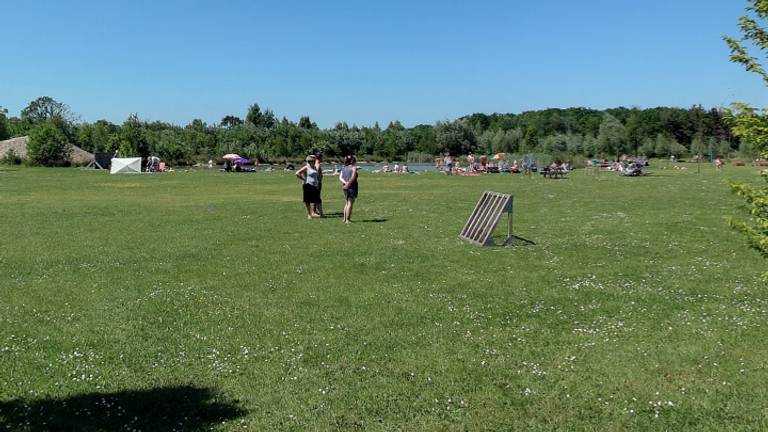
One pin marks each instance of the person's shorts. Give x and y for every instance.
(350, 194)
(311, 194)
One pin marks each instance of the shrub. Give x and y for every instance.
(48, 145)
(11, 158)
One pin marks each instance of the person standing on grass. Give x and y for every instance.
(448, 163)
(348, 178)
(309, 177)
(718, 164)
(319, 168)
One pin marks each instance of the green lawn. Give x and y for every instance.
(200, 300)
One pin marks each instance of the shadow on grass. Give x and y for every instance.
(513, 241)
(339, 214)
(374, 220)
(181, 408)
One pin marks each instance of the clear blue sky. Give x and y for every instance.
(416, 61)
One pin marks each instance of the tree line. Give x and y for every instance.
(261, 135)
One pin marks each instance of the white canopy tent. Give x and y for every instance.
(125, 166)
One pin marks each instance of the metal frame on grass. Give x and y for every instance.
(484, 218)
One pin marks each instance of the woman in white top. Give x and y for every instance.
(310, 184)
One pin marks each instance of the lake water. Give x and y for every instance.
(414, 167)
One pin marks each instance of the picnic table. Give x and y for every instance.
(554, 173)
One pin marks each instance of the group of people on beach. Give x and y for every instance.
(397, 169)
(311, 176)
(478, 165)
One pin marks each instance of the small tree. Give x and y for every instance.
(698, 146)
(10, 158)
(752, 125)
(48, 145)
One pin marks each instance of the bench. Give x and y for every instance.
(546, 172)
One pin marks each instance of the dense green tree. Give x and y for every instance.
(17, 127)
(611, 138)
(589, 145)
(231, 121)
(424, 139)
(200, 139)
(634, 132)
(101, 136)
(699, 148)
(556, 145)
(46, 108)
(648, 147)
(4, 127)
(168, 144)
(570, 131)
(257, 118)
(371, 141)
(133, 139)
(254, 116)
(341, 126)
(665, 146)
(269, 120)
(306, 123)
(752, 125)
(343, 142)
(456, 137)
(396, 141)
(662, 146)
(500, 141)
(48, 145)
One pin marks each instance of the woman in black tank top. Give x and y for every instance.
(348, 179)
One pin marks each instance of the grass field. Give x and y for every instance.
(199, 300)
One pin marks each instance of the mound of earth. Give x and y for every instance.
(19, 147)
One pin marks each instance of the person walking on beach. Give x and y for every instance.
(348, 179)
(308, 175)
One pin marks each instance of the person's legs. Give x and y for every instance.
(309, 199)
(319, 203)
(313, 198)
(313, 206)
(317, 207)
(348, 210)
